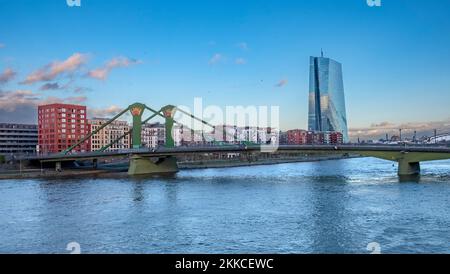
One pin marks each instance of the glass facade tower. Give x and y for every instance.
(326, 97)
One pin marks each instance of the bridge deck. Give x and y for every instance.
(178, 151)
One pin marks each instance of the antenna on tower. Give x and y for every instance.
(321, 52)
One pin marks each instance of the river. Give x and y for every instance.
(335, 206)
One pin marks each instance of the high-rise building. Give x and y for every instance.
(108, 134)
(18, 139)
(61, 126)
(326, 97)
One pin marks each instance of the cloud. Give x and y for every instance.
(217, 58)
(81, 89)
(75, 100)
(7, 75)
(10, 100)
(379, 130)
(242, 45)
(50, 86)
(51, 71)
(2, 45)
(383, 125)
(69, 86)
(20, 106)
(105, 112)
(117, 62)
(240, 61)
(282, 83)
(69, 100)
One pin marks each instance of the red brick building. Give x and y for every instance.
(303, 137)
(296, 137)
(315, 138)
(334, 138)
(60, 126)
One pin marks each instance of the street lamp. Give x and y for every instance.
(435, 136)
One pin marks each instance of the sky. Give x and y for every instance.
(110, 54)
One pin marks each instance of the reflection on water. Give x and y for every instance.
(320, 207)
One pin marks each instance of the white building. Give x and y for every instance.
(183, 135)
(439, 138)
(153, 135)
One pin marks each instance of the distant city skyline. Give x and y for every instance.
(109, 54)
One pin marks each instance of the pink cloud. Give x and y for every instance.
(217, 58)
(117, 62)
(9, 100)
(282, 83)
(240, 61)
(12, 100)
(57, 68)
(7, 75)
(105, 112)
(379, 130)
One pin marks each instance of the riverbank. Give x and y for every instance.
(7, 172)
(269, 161)
(49, 174)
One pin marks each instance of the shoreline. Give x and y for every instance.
(261, 162)
(183, 165)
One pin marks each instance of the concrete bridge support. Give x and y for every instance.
(145, 166)
(408, 162)
(58, 166)
(406, 168)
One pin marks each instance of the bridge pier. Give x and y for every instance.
(58, 166)
(406, 168)
(145, 166)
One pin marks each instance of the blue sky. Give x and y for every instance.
(396, 57)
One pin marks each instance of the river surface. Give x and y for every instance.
(318, 207)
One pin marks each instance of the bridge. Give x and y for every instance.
(163, 159)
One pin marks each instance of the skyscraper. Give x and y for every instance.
(326, 97)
